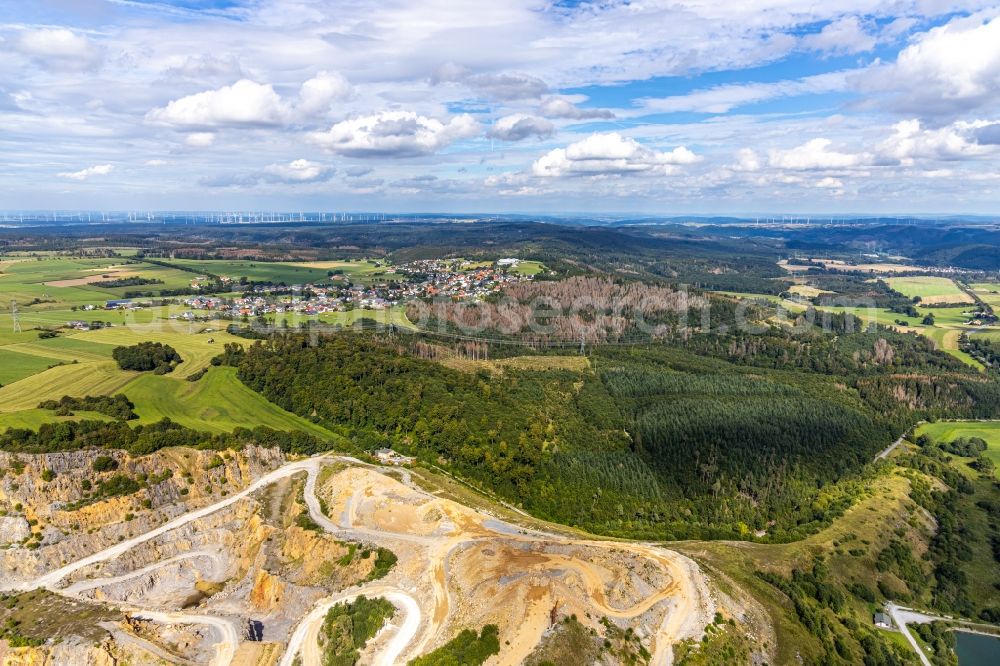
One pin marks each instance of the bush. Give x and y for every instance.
(104, 464)
(862, 591)
(117, 406)
(147, 356)
(384, 562)
(349, 626)
(466, 649)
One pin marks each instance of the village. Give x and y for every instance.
(456, 279)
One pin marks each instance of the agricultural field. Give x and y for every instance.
(83, 364)
(15, 365)
(876, 268)
(364, 270)
(931, 290)
(806, 291)
(990, 334)
(30, 318)
(947, 431)
(289, 273)
(218, 402)
(949, 323)
(197, 349)
(60, 283)
(76, 379)
(989, 292)
(78, 363)
(64, 348)
(395, 315)
(30, 419)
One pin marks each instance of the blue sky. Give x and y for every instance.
(654, 106)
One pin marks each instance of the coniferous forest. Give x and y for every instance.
(713, 436)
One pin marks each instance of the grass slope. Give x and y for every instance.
(195, 349)
(77, 379)
(218, 402)
(865, 528)
(15, 365)
(30, 419)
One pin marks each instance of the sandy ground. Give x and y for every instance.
(473, 569)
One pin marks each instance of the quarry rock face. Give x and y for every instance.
(13, 529)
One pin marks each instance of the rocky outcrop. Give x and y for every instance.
(72, 523)
(68, 654)
(13, 529)
(267, 591)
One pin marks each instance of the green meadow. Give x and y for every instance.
(15, 365)
(946, 431)
(287, 272)
(218, 402)
(928, 287)
(58, 283)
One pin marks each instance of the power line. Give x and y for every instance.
(15, 316)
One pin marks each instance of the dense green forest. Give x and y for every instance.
(143, 439)
(770, 434)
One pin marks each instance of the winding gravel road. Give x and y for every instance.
(304, 639)
(229, 636)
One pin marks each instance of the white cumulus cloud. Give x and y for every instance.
(394, 134)
(320, 92)
(199, 139)
(84, 174)
(243, 103)
(297, 171)
(610, 153)
(910, 141)
(815, 154)
(507, 87)
(59, 49)
(949, 70)
(518, 126)
(561, 107)
(746, 160)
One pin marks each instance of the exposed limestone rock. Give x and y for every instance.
(13, 529)
(267, 591)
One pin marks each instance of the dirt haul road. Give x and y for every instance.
(684, 600)
(305, 639)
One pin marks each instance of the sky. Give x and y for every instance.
(613, 106)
